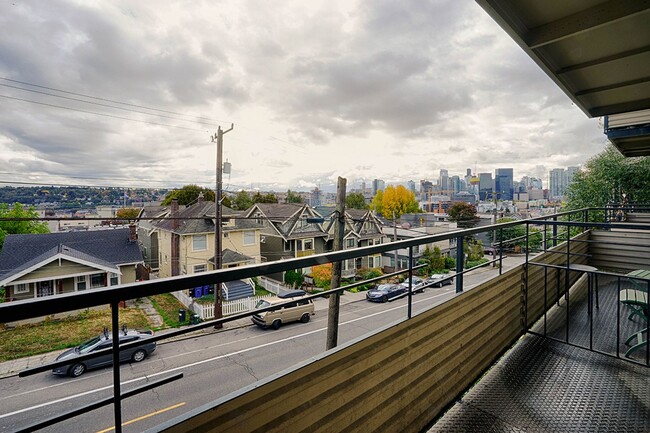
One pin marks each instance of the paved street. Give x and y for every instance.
(213, 364)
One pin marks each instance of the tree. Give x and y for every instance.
(606, 177)
(433, 259)
(242, 200)
(463, 213)
(294, 278)
(187, 195)
(395, 201)
(355, 200)
(266, 198)
(322, 275)
(292, 197)
(519, 232)
(130, 213)
(12, 221)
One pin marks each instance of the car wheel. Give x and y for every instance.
(305, 318)
(138, 355)
(276, 324)
(384, 298)
(77, 370)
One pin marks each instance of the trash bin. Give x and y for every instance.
(181, 315)
(195, 319)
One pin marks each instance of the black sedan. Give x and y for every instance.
(105, 341)
(386, 292)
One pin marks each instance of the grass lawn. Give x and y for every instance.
(54, 334)
(167, 306)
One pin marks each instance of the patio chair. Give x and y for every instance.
(640, 342)
(636, 298)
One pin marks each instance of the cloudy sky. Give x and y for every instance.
(129, 93)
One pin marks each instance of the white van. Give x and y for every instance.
(300, 310)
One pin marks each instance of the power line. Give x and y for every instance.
(101, 114)
(106, 105)
(104, 99)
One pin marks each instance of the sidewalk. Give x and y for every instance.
(13, 367)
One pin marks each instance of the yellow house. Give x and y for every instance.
(186, 239)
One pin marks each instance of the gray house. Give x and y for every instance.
(37, 265)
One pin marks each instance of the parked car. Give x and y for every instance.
(386, 292)
(417, 284)
(105, 341)
(300, 310)
(439, 280)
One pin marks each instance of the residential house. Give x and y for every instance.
(362, 229)
(37, 265)
(186, 241)
(290, 230)
(148, 235)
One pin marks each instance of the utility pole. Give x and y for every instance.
(339, 233)
(218, 302)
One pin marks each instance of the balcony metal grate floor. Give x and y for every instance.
(546, 386)
(543, 385)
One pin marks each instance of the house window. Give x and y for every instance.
(287, 245)
(199, 242)
(307, 244)
(351, 243)
(21, 288)
(114, 279)
(200, 268)
(249, 237)
(81, 283)
(96, 280)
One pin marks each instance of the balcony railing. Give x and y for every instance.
(415, 367)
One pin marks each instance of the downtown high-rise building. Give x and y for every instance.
(485, 186)
(378, 185)
(558, 181)
(503, 183)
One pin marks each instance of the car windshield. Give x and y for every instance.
(384, 287)
(262, 304)
(85, 346)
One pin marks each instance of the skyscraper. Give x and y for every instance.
(485, 186)
(410, 185)
(503, 185)
(378, 185)
(443, 182)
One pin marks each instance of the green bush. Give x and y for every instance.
(294, 278)
(474, 263)
(450, 262)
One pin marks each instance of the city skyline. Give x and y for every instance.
(129, 94)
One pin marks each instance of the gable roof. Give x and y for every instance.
(283, 219)
(104, 249)
(199, 218)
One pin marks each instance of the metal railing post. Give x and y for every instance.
(500, 251)
(117, 402)
(460, 262)
(410, 296)
(554, 232)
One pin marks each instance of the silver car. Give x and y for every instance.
(101, 342)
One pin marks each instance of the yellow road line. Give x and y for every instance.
(145, 416)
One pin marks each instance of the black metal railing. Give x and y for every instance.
(15, 311)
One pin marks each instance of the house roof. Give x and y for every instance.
(104, 249)
(230, 256)
(199, 218)
(286, 220)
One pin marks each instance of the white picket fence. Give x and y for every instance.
(206, 311)
(272, 286)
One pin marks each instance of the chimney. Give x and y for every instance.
(201, 198)
(174, 214)
(133, 234)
